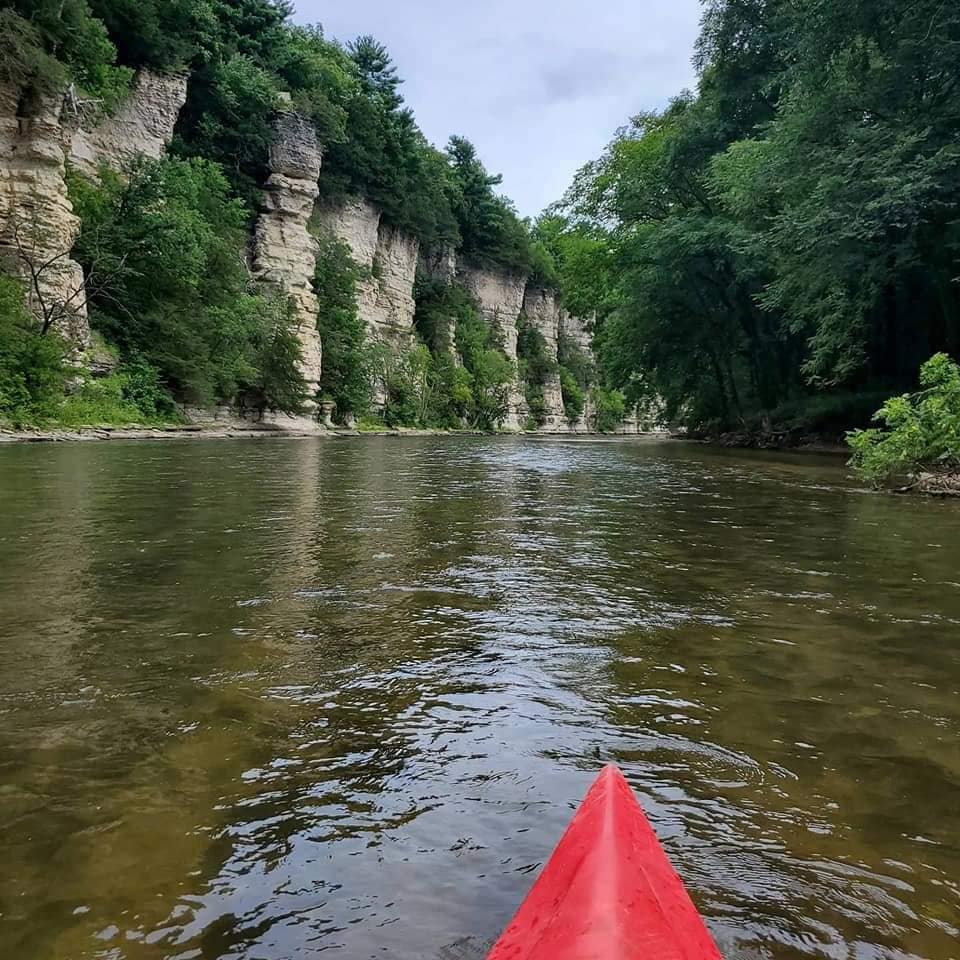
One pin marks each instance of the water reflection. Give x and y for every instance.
(272, 698)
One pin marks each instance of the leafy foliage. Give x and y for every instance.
(919, 430)
(574, 397)
(165, 251)
(609, 409)
(345, 378)
(788, 236)
(476, 391)
(489, 370)
(491, 232)
(126, 397)
(46, 42)
(535, 368)
(31, 366)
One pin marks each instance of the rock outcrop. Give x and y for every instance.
(37, 224)
(543, 313)
(499, 295)
(388, 258)
(576, 332)
(284, 253)
(439, 263)
(141, 126)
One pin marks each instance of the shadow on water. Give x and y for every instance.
(264, 699)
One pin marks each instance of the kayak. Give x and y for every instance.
(608, 892)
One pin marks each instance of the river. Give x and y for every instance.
(263, 699)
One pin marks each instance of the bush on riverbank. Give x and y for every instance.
(31, 365)
(920, 432)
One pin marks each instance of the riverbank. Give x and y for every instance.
(235, 431)
(934, 483)
(785, 441)
(196, 432)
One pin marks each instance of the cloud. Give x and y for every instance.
(539, 86)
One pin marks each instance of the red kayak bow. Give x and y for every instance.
(608, 892)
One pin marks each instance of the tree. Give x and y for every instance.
(31, 366)
(179, 295)
(54, 293)
(490, 230)
(919, 431)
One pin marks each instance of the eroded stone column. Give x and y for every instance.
(284, 252)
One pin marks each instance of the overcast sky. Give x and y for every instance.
(539, 86)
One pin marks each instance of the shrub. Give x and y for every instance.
(490, 371)
(574, 399)
(345, 376)
(101, 402)
(919, 430)
(31, 366)
(535, 368)
(164, 258)
(609, 409)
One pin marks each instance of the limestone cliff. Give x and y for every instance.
(141, 126)
(543, 312)
(389, 259)
(37, 224)
(576, 331)
(284, 253)
(499, 295)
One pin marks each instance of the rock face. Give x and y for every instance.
(37, 224)
(142, 125)
(576, 332)
(543, 313)
(500, 295)
(389, 259)
(284, 252)
(439, 263)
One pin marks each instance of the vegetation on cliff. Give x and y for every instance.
(771, 252)
(162, 243)
(162, 248)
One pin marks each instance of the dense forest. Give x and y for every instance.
(780, 250)
(162, 246)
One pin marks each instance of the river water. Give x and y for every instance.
(264, 699)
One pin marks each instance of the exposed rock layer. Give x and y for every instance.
(543, 313)
(388, 258)
(284, 252)
(141, 126)
(37, 224)
(499, 295)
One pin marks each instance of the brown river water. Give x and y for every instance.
(267, 699)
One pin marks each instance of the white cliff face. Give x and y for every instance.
(389, 259)
(575, 331)
(499, 295)
(142, 125)
(387, 299)
(284, 252)
(37, 224)
(439, 263)
(543, 313)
